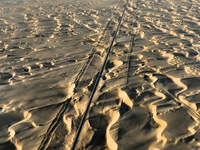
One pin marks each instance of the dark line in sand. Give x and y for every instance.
(176, 99)
(129, 57)
(96, 84)
(47, 138)
(87, 62)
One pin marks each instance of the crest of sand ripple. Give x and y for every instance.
(113, 117)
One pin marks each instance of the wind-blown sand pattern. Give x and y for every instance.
(52, 51)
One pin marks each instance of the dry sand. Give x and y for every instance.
(52, 50)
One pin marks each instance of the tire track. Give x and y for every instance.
(179, 101)
(129, 57)
(47, 138)
(89, 59)
(97, 82)
(160, 91)
(163, 92)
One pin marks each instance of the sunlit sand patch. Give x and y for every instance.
(160, 137)
(113, 116)
(123, 95)
(192, 70)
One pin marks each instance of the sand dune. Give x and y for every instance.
(51, 53)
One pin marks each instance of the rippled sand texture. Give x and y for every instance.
(44, 48)
(50, 55)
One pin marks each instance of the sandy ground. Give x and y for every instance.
(51, 53)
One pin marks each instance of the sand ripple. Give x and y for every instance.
(50, 56)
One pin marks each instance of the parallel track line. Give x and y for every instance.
(96, 83)
(47, 138)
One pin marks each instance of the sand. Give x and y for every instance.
(52, 51)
